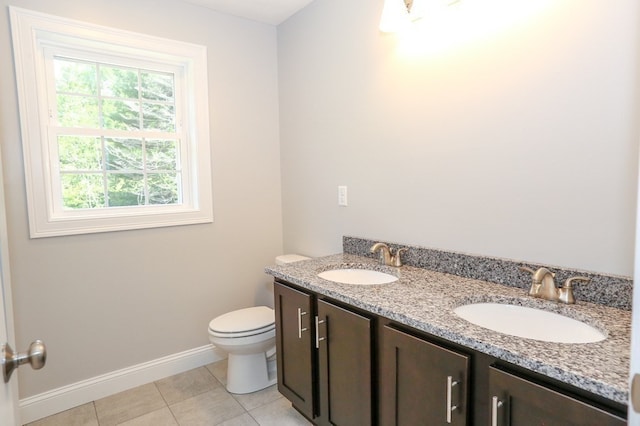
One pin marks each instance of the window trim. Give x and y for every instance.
(33, 35)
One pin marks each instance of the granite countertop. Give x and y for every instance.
(425, 300)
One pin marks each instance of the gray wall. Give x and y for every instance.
(510, 130)
(108, 301)
(517, 139)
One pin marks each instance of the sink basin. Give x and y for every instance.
(531, 323)
(357, 276)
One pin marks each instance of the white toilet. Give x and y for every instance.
(249, 338)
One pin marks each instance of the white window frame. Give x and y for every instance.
(35, 37)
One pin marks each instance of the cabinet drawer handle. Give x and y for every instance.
(450, 384)
(318, 338)
(300, 329)
(495, 404)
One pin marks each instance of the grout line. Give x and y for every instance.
(95, 412)
(167, 405)
(161, 395)
(254, 419)
(174, 416)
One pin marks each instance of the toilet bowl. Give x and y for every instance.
(249, 338)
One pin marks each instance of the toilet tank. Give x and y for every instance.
(289, 258)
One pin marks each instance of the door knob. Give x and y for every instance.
(635, 393)
(36, 356)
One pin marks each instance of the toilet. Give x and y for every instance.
(249, 338)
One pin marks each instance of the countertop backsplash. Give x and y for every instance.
(608, 290)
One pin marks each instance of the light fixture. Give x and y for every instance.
(395, 15)
(399, 14)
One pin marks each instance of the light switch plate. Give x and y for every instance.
(342, 196)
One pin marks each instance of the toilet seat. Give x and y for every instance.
(234, 335)
(243, 323)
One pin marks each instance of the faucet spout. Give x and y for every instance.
(385, 253)
(547, 289)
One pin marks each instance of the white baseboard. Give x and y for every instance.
(66, 397)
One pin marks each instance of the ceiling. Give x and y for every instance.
(268, 11)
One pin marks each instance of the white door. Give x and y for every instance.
(634, 408)
(8, 391)
(634, 376)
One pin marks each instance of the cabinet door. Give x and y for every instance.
(519, 402)
(294, 347)
(344, 353)
(421, 383)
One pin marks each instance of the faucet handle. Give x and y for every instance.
(539, 272)
(396, 259)
(566, 292)
(526, 269)
(569, 282)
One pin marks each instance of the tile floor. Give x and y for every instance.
(194, 398)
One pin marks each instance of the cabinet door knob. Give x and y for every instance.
(450, 407)
(300, 329)
(495, 404)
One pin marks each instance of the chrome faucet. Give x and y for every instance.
(386, 256)
(543, 286)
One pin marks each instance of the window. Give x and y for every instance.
(114, 125)
(131, 154)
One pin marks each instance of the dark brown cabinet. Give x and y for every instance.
(516, 401)
(344, 355)
(324, 358)
(341, 366)
(294, 347)
(421, 383)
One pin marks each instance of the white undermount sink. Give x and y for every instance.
(530, 323)
(357, 276)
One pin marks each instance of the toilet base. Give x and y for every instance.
(248, 373)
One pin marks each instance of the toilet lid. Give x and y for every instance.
(243, 320)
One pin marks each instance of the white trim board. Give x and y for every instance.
(66, 397)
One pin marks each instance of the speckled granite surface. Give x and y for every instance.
(610, 290)
(425, 299)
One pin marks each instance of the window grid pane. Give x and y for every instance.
(99, 172)
(103, 171)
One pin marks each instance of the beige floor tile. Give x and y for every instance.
(161, 417)
(83, 415)
(219, 370)
(145, 405)
(278, 413)
(129, 404)
(210, 408)
(256, 399)
(186, 385)
(243, 420)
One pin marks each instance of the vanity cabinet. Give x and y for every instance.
(421, 383)
(516, 401)
(341, 366)
(324, 358)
